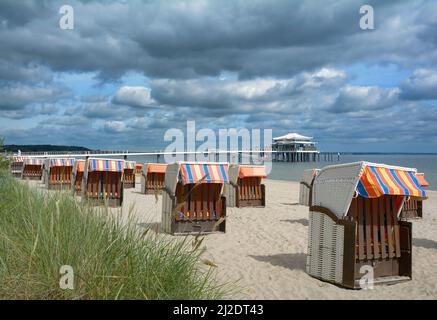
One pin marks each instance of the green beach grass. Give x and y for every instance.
(41, 231)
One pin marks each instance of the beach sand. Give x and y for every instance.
(263, 252)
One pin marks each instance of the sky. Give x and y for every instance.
(130, 70)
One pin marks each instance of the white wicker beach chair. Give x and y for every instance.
(354, 222)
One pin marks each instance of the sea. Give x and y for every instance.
(426, 163)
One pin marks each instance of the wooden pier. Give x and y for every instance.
(302, 156)
(234, 156)
(294, 147)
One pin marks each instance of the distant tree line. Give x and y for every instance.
(41, 148)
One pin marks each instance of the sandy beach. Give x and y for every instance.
(263, 252)
(264, 249)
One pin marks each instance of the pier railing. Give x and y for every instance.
(265, 154)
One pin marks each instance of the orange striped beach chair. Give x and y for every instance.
(17, 164)
(58, 173)
(245, 188)
(138, 168)
(193, 201)
(32, 169)
(355, 227)
(153, 178)
(102, 181)
(77, 176)
(129, 174)
(413, 207)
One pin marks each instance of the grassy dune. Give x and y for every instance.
(41, 231)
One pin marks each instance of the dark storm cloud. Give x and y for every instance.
(9, 71)
(16, 97)
(18, 13)
(353, 99)
(421, 85)
(102, 110)
(224, 96)
(14, 114)
(197, 38)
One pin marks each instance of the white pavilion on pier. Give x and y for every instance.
(294, 147)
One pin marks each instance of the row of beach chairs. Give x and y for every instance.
(98, 180)
(195, 195)
(105, 179)
(357, 211)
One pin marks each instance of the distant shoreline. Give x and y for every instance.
(42, 148)
(388, 153)
(60, 148)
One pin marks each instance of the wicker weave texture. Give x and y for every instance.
(325, 248)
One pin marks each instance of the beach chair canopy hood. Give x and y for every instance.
(68, 162)
(245, 171)
(335, 186)
(130, 165)
(309, 175)
(203, 172)
(155, 168)
(421, 179)
(17, 164)
(376, 181)
(105, 165)
(252, 171)
(80, 166)
(34, 161)
(192, 173)
(18, 159)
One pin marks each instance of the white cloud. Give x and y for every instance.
(322, 77)
(114, 126)
(356, 98)
(138, 97)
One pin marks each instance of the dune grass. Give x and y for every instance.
(41, 231)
